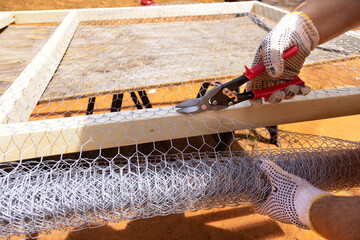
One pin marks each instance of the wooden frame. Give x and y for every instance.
(268, 11)
(353, 34)
(20, 139)
(48, 16)
(84, 133)
(6, 19)
(26, 90)
(44, 16)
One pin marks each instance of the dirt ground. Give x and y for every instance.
(19, 5)
(225, 223)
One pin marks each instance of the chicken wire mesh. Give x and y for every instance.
(28, 45)
(121, 157)
(154, 62)
(40, 196)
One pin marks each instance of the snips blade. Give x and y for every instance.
(190, 106)
(197, 105)
(189, 103)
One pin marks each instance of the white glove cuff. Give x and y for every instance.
(304, 200)
(308, 27)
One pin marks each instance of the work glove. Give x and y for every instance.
(293, 29)
(291, 197)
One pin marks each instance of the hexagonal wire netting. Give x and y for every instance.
(104, 143)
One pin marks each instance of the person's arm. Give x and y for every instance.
(336, 217)
(312, 23)
(294, 200)
(332, 17)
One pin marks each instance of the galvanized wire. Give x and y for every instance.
(40, 196)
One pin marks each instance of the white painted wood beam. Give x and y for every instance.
(45, 16)
(84, 133)
(353, 34)
(268, 11)
(41, 16)
(19, 100)
(6, 19)
(165, 11)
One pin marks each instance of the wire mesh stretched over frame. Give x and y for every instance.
(125, 61)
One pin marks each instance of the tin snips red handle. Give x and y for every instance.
(251, 73)
(266, 92)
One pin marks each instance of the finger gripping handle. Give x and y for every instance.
(250, 73)
(266, 92)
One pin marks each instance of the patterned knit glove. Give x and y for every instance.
(291, 197)
(293, 29)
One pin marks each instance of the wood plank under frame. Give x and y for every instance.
(19, 100)
(19, 45)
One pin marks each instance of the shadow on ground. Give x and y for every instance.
(228, 223)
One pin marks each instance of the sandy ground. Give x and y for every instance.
(226, 223)
(17, 5)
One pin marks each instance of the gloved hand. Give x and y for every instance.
(293, 29)
(291, 197)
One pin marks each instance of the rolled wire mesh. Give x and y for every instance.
(40, 196)
(71, 176)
